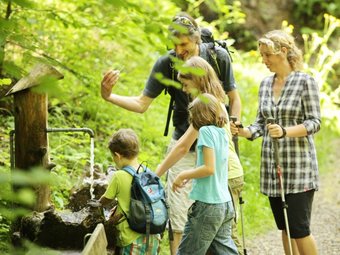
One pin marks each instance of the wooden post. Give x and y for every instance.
(31, 142)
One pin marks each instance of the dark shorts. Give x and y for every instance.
(299, 213)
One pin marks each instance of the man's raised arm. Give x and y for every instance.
(137, 104)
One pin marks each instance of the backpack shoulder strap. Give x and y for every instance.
(213, 56)
(172, 95)
(172, 53)
(130, 170)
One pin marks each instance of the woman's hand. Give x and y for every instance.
(275, 130)
(109, 80)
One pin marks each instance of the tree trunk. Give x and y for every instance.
(31, 143)
(3, 38)
(266, 15)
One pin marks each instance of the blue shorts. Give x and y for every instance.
(208, 228)
(299, 213)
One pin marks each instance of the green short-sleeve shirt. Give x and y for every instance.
(120, 188)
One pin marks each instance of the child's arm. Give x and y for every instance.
(178, 151)
(207, 169)
(105, 201)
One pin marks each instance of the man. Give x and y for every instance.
(187, 41)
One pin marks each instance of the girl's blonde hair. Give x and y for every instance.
(206, 83)
(206, 110)
(277, 39)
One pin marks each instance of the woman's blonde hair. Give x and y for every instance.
(206, 110)
(277, 39)
(206, 83)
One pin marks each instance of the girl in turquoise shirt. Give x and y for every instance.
(210, 217)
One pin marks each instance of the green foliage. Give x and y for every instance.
(29, 248)
(321, 63)
(85, 38)
(305, 9)
(227, 14)
(17, 202)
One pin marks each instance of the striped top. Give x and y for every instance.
(298, 104)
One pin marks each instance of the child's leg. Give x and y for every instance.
(204, 221)
(223, 243)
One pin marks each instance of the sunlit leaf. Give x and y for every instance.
(116, 3)
(167, 81)
(25, 196)
(33, 177)
(50, 86)
(24, 3)
(13, 213)
(5, 81)
(192, 70)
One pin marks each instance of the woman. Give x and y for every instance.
(195, 85)
(291, 97)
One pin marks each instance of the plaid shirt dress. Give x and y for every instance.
(298, 104)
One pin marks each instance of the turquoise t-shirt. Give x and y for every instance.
(212, 189)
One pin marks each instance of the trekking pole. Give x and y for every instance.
(240, 200)
(278, 167)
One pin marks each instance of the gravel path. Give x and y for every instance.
(325, 218)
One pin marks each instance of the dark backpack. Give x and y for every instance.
(208, 38)
(148, 208)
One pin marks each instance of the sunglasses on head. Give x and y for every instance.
(184, 21)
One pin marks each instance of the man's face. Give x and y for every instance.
(185, 47)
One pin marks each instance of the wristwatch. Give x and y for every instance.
(284, 132)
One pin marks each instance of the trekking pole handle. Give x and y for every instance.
(271, 120)
(233, 118)
(235, 137)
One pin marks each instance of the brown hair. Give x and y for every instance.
(125, 142)
(277, 39)
(206, 83)
(206, 110)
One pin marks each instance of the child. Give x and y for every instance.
(210, 217)
(124, 147)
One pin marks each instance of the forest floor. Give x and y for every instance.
(325, 225)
